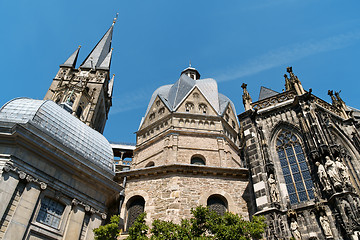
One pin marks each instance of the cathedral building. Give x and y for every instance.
(290, 156)
(303, 157)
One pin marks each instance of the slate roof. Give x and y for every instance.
(100, 52)
(71, 61)
(266, 92)
(57, 123)
(173, 95)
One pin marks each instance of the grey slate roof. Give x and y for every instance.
(57, 123)
(100, 51)
(266, 92)
(173, 95)
(71, 61)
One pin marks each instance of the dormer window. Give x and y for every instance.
(202, 108)
(189, 106)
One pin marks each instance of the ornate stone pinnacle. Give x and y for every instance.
(289, 69)
(244, 85)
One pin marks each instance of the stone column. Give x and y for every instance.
(22, 215)
(95, 222)
(8, 183)
(73, 229)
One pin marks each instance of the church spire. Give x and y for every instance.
(71, 61)
(100, 51)
(105, 65)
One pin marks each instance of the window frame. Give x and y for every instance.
(294, 167)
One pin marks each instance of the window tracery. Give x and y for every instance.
(189, 106)
(202, 107)
(135, 208)
(294, 167)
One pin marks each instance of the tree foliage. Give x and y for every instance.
(109, 231)
(204, 225)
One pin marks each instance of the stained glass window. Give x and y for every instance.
(50, 212)
(294, 167)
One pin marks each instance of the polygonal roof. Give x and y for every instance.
(51, 119)
(173, 95)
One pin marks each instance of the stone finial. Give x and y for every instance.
(246, 97)
(294, 82)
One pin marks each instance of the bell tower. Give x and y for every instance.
(86, 92)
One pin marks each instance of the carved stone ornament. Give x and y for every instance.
(325, 225)
(88, 208)
(343, 171)
(23, 175)
(324, 179)
(333, 172)
(294, 228)
(274, 192)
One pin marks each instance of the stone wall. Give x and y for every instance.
(170, 197)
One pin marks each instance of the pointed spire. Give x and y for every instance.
(105, 65)
(71, 61)
(101, 50)
(111, 86)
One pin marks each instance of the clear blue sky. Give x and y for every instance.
(231, 41)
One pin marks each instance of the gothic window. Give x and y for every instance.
(161, 111)
(157, 103)
(294, 167)
(50, 212)
(202, 107)
(226, 117)
(217, 204)
(79, 111)
(152, 116)
(197, 160)
(135, 208)
(189, 106)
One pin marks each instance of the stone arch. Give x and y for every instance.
(131, 194)
(217, 203)
(231, 204)
(198, 159)
(291, 159)
(134, 207)
(150, 164)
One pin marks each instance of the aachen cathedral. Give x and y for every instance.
(291, 157)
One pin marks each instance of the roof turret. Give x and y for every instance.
(71, 61)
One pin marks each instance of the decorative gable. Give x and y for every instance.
(157, 111)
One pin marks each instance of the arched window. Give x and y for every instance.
(135, 207)
(79, 111)
(218, 204)
(294, 167)
(196, 160)
(150, 164)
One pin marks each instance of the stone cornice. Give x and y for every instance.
(184, 169)
(24, 176)
(88, 208)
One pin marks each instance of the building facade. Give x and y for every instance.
(303, 157)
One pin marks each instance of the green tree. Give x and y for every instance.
(204, 225)
(109, 231)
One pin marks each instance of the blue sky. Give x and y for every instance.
(230, 41)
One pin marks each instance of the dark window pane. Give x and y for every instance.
(293, 198)
(290, 188)
(283, 162)
(50, 212)
(297, 177)
(293, 138)
(306, 175)
(294, 168)
(311, 194)
(309, 184)
(303, 166)
(281, 153)
(288, 179)
(286, 170)
(292, 160)
(302, 196)
(300, 186)
(217, 205)
(278, 143)
(300, 157)
(289, 151)
(298, 148)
